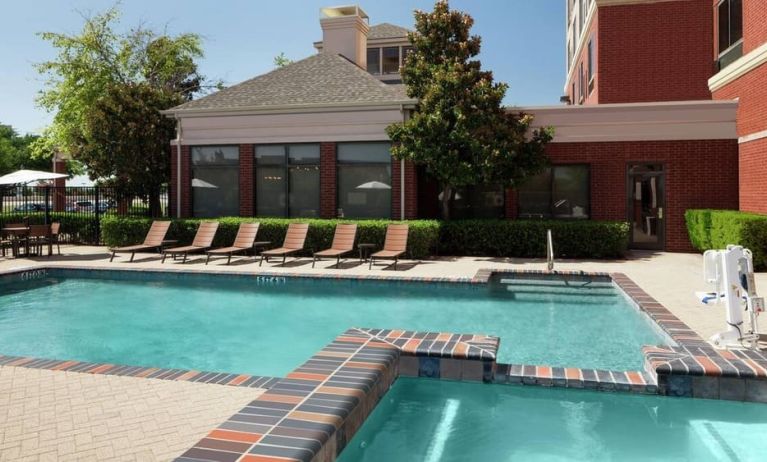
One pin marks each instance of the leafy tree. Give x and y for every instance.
(101, 71)
(15, 153)
(460, 130)
(281, 60)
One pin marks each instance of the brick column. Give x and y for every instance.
(59, 192)
(411, 190)
(247, 183)
(511, 204)
(328, 181)
(186, 182)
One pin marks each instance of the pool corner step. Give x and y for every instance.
(572, 377)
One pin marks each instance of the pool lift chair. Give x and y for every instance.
(731, 275)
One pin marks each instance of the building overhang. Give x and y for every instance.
(665, 121)
(289, 109)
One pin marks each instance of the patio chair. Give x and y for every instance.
(51, 239)
(152, 242)
(294, 242)
(243, 242)
(39, 235)
(16, 240)
(343, 243)
(203, 240)
(395, 244)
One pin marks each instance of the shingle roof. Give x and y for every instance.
(323, 78)
(387, 31)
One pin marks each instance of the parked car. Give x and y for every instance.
(29, 208)
(80, 206)
(106, 205)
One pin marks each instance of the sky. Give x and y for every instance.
(522, 40)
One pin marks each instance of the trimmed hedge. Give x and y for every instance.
(498, 238)
(527, 238)
(716, 229)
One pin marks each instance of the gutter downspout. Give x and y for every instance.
(402, 174)
(178, 166)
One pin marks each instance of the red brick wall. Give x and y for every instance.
(186, 183)
(593, 96)
(753, 176)
(411, 190)
(247, 181)
(655, 52)
(754, 24)
(698, 174)
(328, 172)
(752, 107)
(60, 197)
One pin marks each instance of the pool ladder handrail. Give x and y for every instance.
(549, 251)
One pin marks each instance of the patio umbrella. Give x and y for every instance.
(28, 176)
(373, 185)
(198, 183)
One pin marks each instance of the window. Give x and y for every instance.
(591, 62)
(364, 180)
(390, 60)
(478, 202)
(215, 181)
(374, 61)
(730, 40)
(561, 191)
(288, 180)
(581, 88)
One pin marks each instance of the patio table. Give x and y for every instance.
(16, 233)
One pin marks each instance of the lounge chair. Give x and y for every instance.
(294, 242)
(243, 242)
(152, 242)
(343, 243)
(395, 244)
(203, 239)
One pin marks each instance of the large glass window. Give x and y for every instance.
(215, 181)
(730, 30)
(364, 180)
(561, 191)
(374, 60)
(288, 180)
(477, 202)
(390, 60)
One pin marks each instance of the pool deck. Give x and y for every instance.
(61, 415)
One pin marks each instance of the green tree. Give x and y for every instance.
(460, 130)
(281, 60)
(15, 153)
(102, 71)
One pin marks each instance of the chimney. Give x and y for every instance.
(345, 32)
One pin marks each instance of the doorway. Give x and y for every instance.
(646, 203)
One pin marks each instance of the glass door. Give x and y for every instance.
(646, 196)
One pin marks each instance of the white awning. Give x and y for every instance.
(28, 176)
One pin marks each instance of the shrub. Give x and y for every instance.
(527, 238)
(716, 229)
(499, 238)
(422, 240)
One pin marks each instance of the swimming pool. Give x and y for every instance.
(431, 420)
(268, 326)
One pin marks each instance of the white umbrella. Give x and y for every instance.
(373, 185)
(198, 183)
(28, 176)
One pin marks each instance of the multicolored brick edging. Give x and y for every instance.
(573, 377)
(183, 375)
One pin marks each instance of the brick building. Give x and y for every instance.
(642, 139)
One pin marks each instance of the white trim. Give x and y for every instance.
(581, 41)
(739, 67)
(752, 137)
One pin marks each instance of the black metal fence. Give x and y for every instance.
(79, 209)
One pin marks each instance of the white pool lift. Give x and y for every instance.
(731, 275)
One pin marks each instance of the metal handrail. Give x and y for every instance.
(549, 251)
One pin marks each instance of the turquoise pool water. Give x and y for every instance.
(431, 421)
(245, 325)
